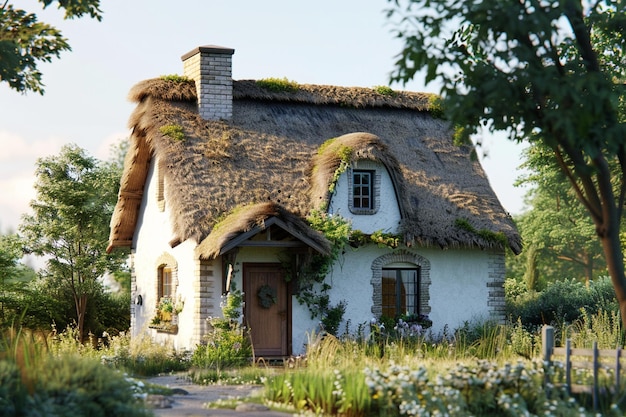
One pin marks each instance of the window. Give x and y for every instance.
(400, 291)
(165, 282)
(363, 190)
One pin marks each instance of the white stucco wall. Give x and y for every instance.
(152, 239)
(458, 290)
(387, 218)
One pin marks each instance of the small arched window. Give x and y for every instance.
(165, 287)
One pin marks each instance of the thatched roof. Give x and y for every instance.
(267, 154)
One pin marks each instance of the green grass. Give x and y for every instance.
(478, 369)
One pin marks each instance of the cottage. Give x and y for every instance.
(227, 183)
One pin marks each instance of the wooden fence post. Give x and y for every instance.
(547, 342)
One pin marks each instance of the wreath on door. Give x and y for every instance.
(267, 296)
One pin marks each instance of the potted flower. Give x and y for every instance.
(166, 315)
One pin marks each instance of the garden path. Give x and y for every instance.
(189, 399)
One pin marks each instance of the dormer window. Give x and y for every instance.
(364, 189)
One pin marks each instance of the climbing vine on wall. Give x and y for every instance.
(313, 269)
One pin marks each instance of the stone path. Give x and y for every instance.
(189, 399)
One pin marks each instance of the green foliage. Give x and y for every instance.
(25, 42)
(488, 235)
(228, 343)
(559, 235)
(278, 85)
(233, 303)
(531, 277)
(321, 393)
(139, 357)
(558, 81)
(436, 106)
(69, 226)
(75, 385)
(35, 382)
(174, 78)
(312, 290)
(225, 348)
(236, 376)
(342, 378)
(385, 240)
(174, 132)
(561, 302)
(484, 389)
(385, 90)
(603, 327)
(13, 393)
(10, 255)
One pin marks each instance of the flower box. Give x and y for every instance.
(165, 327)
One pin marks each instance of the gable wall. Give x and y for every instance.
(198, 283)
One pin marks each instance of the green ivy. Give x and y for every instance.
(344, 153)
(175, 132)
(278, 85)
(388, 240)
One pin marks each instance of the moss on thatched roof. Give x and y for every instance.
(267, 154)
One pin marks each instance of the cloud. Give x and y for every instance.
(103, 151)
(17, 174)
(17, 169)
(16, 148)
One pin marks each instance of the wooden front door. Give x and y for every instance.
(267, 309)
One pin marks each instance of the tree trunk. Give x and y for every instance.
(611, 246)
(81, 308)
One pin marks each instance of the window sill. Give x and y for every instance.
(165, 328)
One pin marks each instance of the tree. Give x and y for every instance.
(545, 72)
(70, 225)
(25, 42)
(557, 226)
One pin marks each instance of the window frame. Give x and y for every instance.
(405, 303)
(165, 270)
(374, 190)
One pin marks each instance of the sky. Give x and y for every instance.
(345, 43)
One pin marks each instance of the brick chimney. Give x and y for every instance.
(210, 67)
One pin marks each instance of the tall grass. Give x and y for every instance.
(36, 380)
(465, 370)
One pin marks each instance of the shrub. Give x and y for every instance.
(141, 356)
(561, 302)
(68, 385)
(485, 389)
(12, 392)
(77, 386)
(228, 344)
